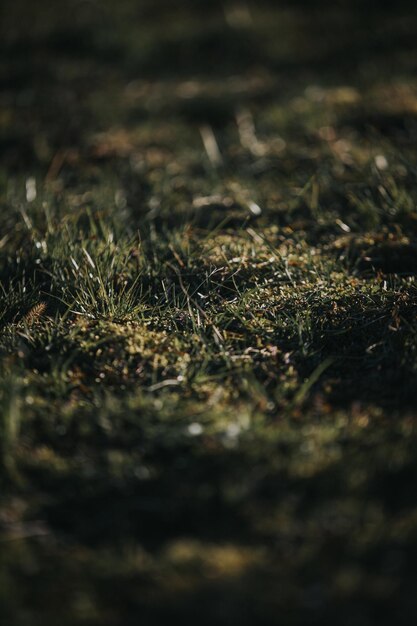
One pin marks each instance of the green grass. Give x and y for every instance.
(208, 334)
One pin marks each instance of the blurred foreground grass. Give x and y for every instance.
(208, 250)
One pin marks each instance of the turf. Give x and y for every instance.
(208, 333)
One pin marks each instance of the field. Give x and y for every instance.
(208, 331)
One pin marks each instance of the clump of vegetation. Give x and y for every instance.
(208, 328)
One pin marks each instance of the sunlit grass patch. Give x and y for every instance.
(208, 328)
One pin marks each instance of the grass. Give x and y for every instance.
(208, 327)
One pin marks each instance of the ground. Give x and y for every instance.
(208, 333)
